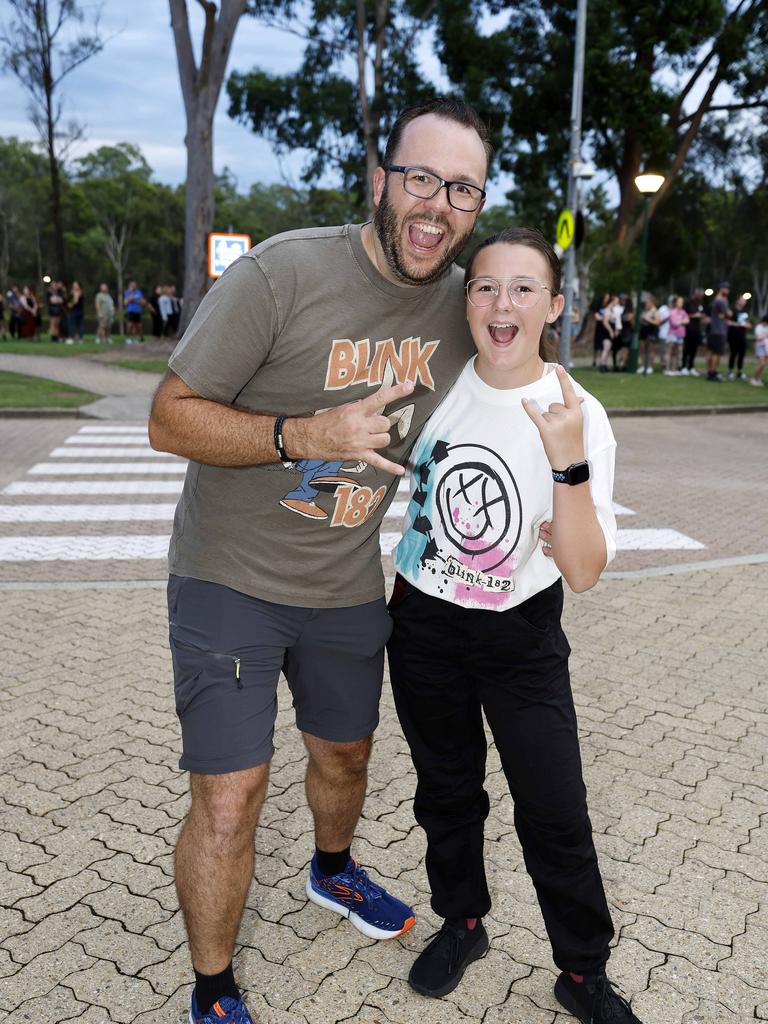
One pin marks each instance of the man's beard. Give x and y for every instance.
(387, 226)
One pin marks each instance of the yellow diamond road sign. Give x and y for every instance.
(565, 229)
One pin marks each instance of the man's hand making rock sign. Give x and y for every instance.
(561, 427)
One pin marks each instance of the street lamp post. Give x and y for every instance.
(574, 163)
(647, 185)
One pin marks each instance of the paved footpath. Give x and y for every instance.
(669, 670)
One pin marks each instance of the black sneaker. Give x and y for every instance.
(594, 1000)
(439, 969)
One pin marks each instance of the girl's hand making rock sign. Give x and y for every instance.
(561, 427)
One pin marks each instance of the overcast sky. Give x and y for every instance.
(130, 93)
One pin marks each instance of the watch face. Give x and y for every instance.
(579, 473)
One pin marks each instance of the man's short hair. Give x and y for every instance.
(450, 110)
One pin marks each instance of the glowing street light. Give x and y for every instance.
(647, 185)
(747, 296)
(709, 292)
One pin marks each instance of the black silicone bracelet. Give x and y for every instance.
(279, 446)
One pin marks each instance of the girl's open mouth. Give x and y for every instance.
(503, 333)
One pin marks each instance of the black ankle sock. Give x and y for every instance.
(210, 987)
(331, 863)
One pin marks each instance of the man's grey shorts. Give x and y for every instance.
(228, 650)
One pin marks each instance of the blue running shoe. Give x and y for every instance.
(352, 894)
(224, 1011)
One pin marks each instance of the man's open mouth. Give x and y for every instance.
(425, 236)
(503, 332)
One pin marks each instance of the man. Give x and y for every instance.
(105, 314)
(718, 331)
(277, 566)
(133, 302)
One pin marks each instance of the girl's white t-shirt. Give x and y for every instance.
(481, 486)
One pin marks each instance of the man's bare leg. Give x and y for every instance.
(214, 861)
(336, 781)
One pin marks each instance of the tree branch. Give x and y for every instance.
(730, 106)
(674, 117)
(184, 53)
(224, 33)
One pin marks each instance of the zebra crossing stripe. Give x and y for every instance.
(112, 430)
(107, 439)
(102, 487)
(75, 549)
(106, 453)
(105, 468)
(656, 540)
(85, 513)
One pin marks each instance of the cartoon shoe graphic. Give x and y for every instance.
(308, 509)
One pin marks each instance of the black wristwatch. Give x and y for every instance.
(578, 473)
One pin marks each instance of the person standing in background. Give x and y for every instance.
(105, 314)
(662, 316)
(165, 307)
(13, 302)
(134, 302)
(649, 325)
(678, 318)
(694, 307)
(737, 339)
(718, 332)
(56, 303)
(153, 304)
(76, 314)
(761, 351)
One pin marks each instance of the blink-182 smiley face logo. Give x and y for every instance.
(476, 498)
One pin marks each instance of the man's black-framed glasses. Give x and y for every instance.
(425, 185)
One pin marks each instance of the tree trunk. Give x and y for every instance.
(199, 212)
(200, 87)
(53, 165)
(630, 168)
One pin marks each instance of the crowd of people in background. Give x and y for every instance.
(675, 331)
(65, 310)
(670, 337)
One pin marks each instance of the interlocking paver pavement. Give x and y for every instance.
(669, 680)
(674, 741)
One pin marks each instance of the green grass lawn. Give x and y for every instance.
(48, 348)
(635, 391)
(147, 365)
(17, 391)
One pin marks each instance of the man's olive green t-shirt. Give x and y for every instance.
(305, 322)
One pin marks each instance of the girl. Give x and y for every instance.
(761, 351)
(678, 319)
(476, 610)
(604, 331)
(77, 312)
(649, 323)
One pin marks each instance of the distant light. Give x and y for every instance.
(747, 296)
(47, 279)
(649, 183)
(709, 291)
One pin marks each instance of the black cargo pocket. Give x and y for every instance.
(196, 671)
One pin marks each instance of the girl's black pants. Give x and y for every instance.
(450, 664)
